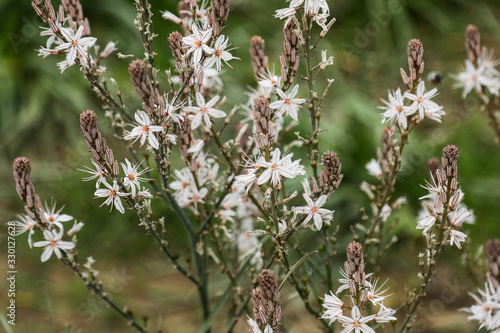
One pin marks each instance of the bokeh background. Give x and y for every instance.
(39, 112)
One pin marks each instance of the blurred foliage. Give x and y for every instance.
(39, 118)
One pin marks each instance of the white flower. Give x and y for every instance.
(396, 111)
(314, 211)
(385, 213)
(356, 323)
(486, 305)
(170, 112)
(376, 295)
(197, 42)
(385, 315)
(325, 61)
(24, 224)
(422, 101)
(287, 104)
(53, 244)
(334, 307)
(77, 226)
(255, 327)
(219, 53)
(472, 78)
(374, 168)
(113, 195)
(171, 17)
(204, 111)
(144, 130)
(94, 173)
(76, 45)
(53, 217)
(183, 181)
(426, 223)
(459, 216)
(269, 81)
(133, 177)
(279, 167)
(457, 237)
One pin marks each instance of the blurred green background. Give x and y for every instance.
(39, 118)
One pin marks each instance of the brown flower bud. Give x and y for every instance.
(218, 15)
(472, 42)
(103, 155)
(290, 61)
(415, 61)
(331, 175)
(24, 187)
(449, 160)
(139, 75)
(176, 44)
(259, 59)
(265, 300)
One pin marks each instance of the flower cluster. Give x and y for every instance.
(487, 308)
(362, 290)
(272, 171)
(52, 231)
(316, 9)
(479, 73)
(68, 33)
(442, 206)
(401, 109)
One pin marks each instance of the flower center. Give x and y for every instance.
(112, 193)
(314, 209)
(198, 43)
(74, 43)
(53, 243)
(145, 128)
(204, 110)
(420, 100)
(275, 167)
(357, 324)
(288, 101)
(400, 109)
(51, 219)
(131, 176)
(218, 53)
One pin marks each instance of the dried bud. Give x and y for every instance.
(331, 175)
(472, 42)
(290, 63)
(415, 61)
(449, 161)
(24, 187)
(175, 43)
(262, 115)
(219, 14)
(102, 154)
(139, 75)
(21, 170)
(492, 252)
(265, 300)
(259, 59)
(355, 267)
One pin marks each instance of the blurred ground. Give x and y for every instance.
(39, 119)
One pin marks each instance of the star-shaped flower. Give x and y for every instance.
(53, 244)
(197, 43)
(204, 111)
(315, 212)
(288, 104)
(112, 195)
(144, 130)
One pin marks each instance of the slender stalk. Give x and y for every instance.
(98, 290)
